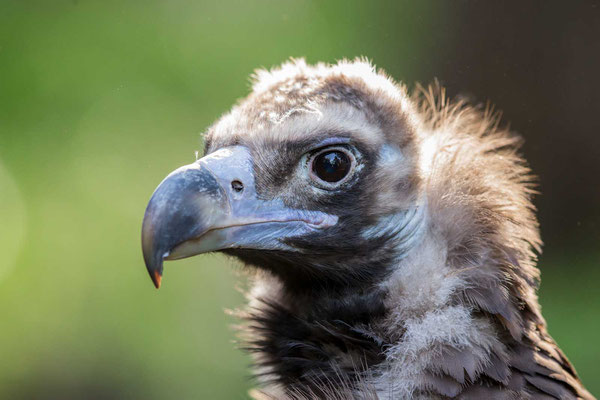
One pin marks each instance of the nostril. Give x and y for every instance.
(237, 186)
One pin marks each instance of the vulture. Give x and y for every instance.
(389, 238)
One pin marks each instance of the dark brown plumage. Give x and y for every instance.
(412, 277)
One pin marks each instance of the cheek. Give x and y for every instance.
(299, 193)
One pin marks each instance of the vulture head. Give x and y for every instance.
(390, 240)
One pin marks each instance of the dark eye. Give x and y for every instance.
(331, 166)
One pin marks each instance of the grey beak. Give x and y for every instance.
(185, 205)
(211, 205)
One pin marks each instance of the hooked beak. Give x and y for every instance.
(212, 205)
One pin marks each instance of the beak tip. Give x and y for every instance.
(154, 266)
(156, 279)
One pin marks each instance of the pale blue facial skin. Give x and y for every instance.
(197, 209)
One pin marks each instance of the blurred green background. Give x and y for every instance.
(99, 100)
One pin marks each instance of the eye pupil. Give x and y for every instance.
(332, 166)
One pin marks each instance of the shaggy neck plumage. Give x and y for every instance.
(302, 343)
(303, 336)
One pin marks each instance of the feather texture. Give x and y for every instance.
(450, 312)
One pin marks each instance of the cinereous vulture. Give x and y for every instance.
(390, 240)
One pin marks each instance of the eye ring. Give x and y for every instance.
(332, 166)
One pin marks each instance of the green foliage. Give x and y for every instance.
(98, 102)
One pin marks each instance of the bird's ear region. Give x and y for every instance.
(396, 179)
